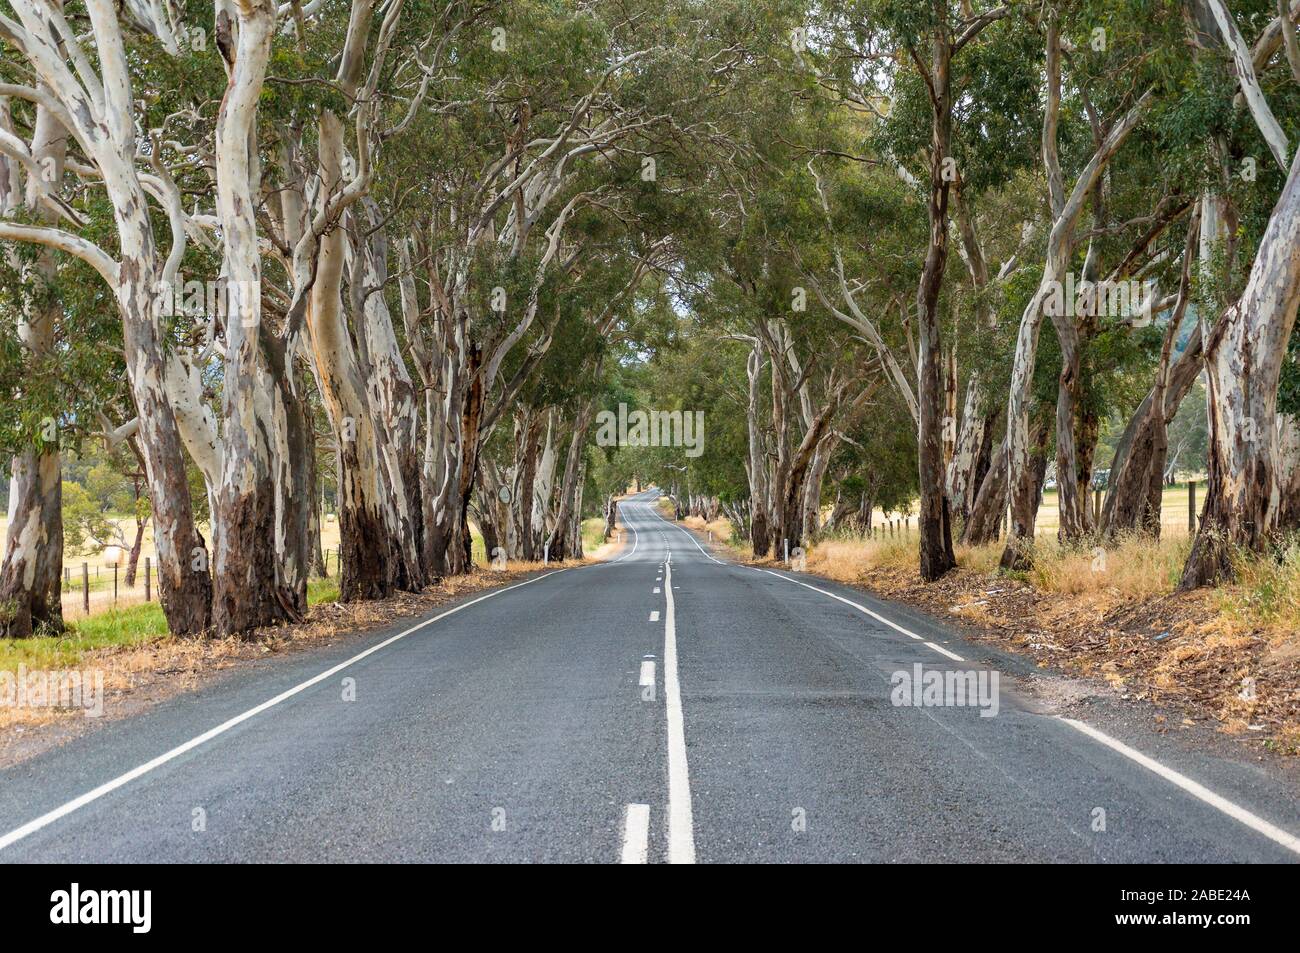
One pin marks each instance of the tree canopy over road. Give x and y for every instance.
(406, 257)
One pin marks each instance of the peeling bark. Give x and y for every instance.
(1243, 362)
(246, 590)
(30, 575)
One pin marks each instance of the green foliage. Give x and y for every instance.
(87, 528)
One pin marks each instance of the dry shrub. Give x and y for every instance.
(720, 527)
(983, 559)
(1134, 567)
(846, 558)
(1266, 593)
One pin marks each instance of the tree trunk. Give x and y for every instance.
(757, 468)
(1072, 501)
(778, 533)
(391, 396)
(934, 521)
(570, 499)
(246, 591)
(1243, 360)
(611, 516)
(133, 557)
(367, 564)
(1136, 481)
(30, 575)
(531, 439)
(1288, 443)
(972, 442)
(812, 499)
(105, 127)
(1066, 210)
(984, 524)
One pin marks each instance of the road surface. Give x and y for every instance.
(668, 706)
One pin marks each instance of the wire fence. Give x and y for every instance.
(88, 590)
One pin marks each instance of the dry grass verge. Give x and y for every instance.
(720, 528)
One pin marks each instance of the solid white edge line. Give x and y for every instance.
(689, 536)
(1196, 790)
(636, 538)
(861, 608)
(942, 651)
(636, 834)
(867, 611)
(1199, 791)
(1236, 812)
(108, 787)
(681, 826)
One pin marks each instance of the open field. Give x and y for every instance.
(104, 596)
(1173, 511)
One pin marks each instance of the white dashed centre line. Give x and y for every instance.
(636, 834)
(681, 826)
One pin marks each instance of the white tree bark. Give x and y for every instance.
(1243, 362)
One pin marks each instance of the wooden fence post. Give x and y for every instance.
(85, 588)
(1191, 507)
(147, 592)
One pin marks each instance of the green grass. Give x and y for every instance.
(1267, 591)
(593, 534)
(114, 628)
(323, 590)
(117, 627)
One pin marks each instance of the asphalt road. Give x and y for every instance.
(666, 706)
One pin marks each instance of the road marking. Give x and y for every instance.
(647, 673)
(654, 616)
(1198, 791)
(861, 608)
(656, 592)
(689, 536)
(108, 787)
(681, 832)
(636, 834)
(636, 538)
(942, 651)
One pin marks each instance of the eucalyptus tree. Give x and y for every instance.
(119, 155)
(33, 556)
(1245, 349)
(902, 64)
(532, 144)
(54, 387)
